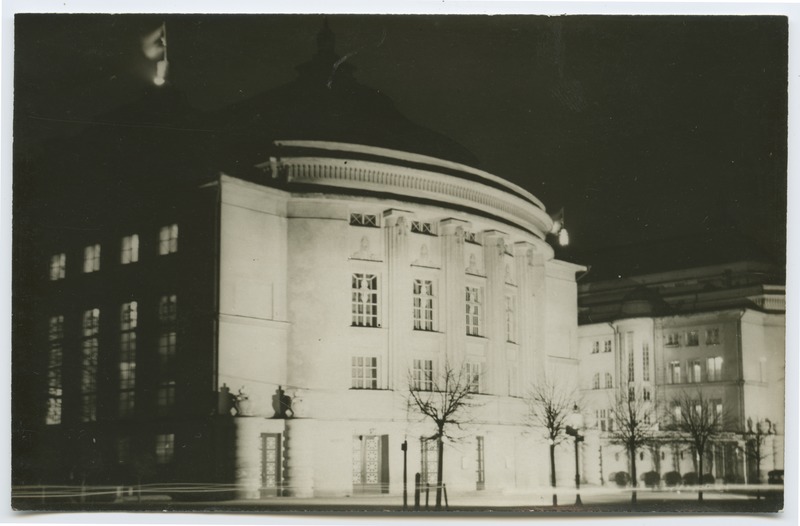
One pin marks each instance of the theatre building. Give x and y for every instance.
(248, 305)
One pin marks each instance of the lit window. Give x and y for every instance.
(607, 346)
(370, 220)
(609, 381)
(595, 347)
(423, 305)
(419, 227)
(422, 375)
(692, 339)
(481, 468)
(167, 352)
(673, 339)
(168, 240)
(365, 300)
(676, 413)
(127, 358)
(712, 336)
(695, 371)
(717, 405)
(474, 310)
(130, 249)
(54, 369)
(165, 448)
(364, 372)
(714, 368)
(646, 362)
(58, 266)
(675, 372)
(511, 318)
(596, 381)
(89, 352)
(474, 377)
(91, 258)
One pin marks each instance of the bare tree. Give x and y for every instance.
(550, 405)
(698, 420)
(754, 439)
(445, 400)
(634, 426)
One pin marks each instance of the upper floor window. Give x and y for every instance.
(607, 346)
(364, 292)
(420, 227)
(595, 347)
(646, 362)
(511, 318)
(127, 357)
(673, 339)
(473, 371)
(712, 336)
(695, 371)
(474, 312)
(422, 375)
(168, 240)
(90, 347)
(370, 220)
(130, 249)
(677, 415)
(91, 258)
(674, 372)
(596, 381)
(646, 394)
(609, 381)
(364, 372)
(714, 368)
(717, 407)
(165, 448)
(54, 368)
(692, 338)
(58, 266)
(423, 304)
(601, 417)
(631, 368)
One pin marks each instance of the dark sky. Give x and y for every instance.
(645, 129)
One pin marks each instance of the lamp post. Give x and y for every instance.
(573, 430)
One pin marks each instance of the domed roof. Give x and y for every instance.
(326, 103)
(643, 301)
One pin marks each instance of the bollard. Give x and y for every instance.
(416, 491)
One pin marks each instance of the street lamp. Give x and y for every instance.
(573, 430)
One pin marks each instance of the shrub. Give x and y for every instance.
(673, 478)
(690, 479)
(651, 479)
(708, 478)
(622, 478)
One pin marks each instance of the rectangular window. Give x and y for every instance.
(167, 352)
(714, 368)
(673, 339)
(127, 358)
(631, 393)
(595, 347)
(609, 381)
(364, 372)
(601, 417)
(675, 372)
(646, 419)
(423, 305)
(480, 468)
(607, 346)
(168, 240)
(55, 363)
(130, 249)
(511, 318)
(430, 462)
(692, 339)
(676, 413)
(58, 266)
(473, 371)
(646, 362)
(165, 448)
(474, 312)
(717, 405)
(629, 349)
(712, 336)
(645, 394)
(419, 227)
(695, 371)
(370, 220)
(91, 258)
(90, 348)
(422, 374)
(364, 291)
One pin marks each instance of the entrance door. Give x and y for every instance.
(271, 464)
(371, 464)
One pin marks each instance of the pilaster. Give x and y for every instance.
(451, 232)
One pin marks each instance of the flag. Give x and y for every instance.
(154, 45)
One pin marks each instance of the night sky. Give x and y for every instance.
(649, 131)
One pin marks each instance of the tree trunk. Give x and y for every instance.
(440, 473)
(553, 472)
(700, 474)
(633, 475)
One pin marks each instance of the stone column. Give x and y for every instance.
(533, 303)
(248, 461)
(399, 295)
(494, 249)
(298, 456)
(451, 232)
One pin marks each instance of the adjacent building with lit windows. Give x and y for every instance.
(249, 307)
(717, 332)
